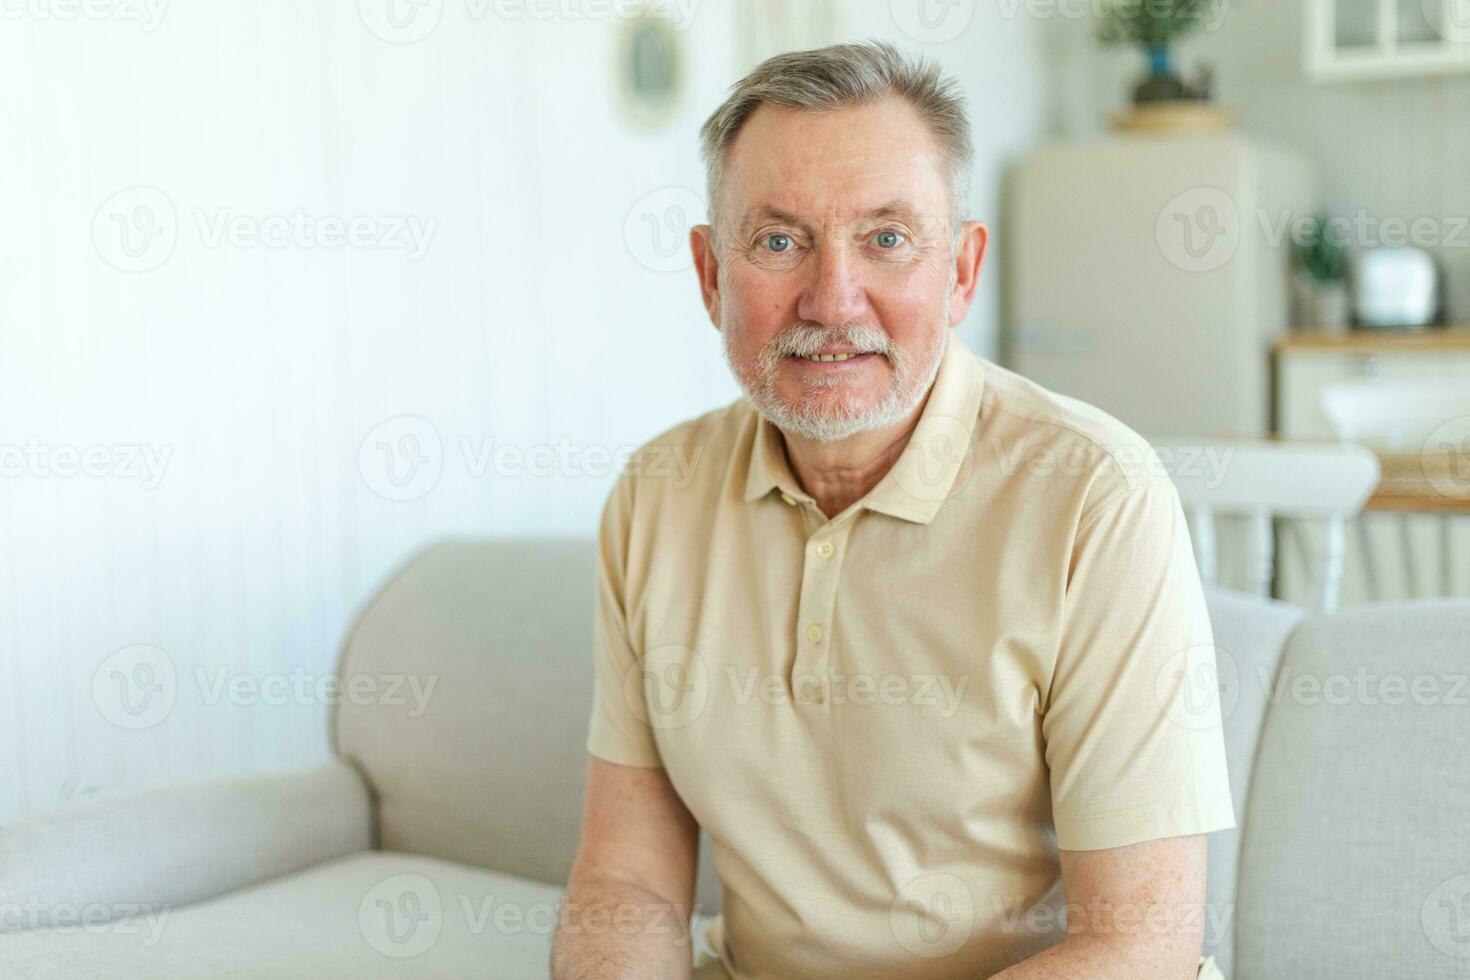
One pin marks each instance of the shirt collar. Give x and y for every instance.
(922, 477)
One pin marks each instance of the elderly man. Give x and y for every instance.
(913, 643)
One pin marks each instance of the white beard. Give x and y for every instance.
(815, 416)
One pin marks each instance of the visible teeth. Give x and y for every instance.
(828, 357)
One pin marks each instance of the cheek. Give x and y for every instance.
(912, 309)
(760, 305)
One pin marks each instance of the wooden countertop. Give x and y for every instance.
(1425, 483)
(1430, 340)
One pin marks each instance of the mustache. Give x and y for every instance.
(805, 339)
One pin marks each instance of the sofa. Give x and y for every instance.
(436, 841)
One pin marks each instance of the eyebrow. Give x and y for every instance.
(896, 208)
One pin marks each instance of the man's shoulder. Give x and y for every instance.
(695, 453)
(1027, 424)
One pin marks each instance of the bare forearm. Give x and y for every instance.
(1094, 958)
(612, 929)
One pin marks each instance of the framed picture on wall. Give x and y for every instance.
(650, 67)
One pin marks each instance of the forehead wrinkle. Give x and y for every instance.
(896, 208)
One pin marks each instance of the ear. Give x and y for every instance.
(969, 256)
(707, 265)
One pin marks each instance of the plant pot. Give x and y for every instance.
(1323, 306)
(1162, 85)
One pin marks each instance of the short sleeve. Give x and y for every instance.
(1132, 717)
(618, 731)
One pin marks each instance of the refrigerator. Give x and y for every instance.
(1148, 274)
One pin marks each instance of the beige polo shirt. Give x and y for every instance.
(889, 720)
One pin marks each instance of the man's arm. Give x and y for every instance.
(1133, 913)
(629, 898)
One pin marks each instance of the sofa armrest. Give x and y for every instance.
(170, 845)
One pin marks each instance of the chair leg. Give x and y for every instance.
(1204, 545)
(1371, 584)
(1334, 541)
(1446, 555)
(1411, 570)
(1263, 552)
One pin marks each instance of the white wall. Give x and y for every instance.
(254, 375)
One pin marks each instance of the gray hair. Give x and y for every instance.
(841, 76)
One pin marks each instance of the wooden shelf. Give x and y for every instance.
(1374, 341)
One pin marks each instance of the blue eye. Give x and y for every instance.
(778, 243)
(888, 239)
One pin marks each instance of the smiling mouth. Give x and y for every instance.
(832, 358)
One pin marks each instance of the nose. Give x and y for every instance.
(834, 295)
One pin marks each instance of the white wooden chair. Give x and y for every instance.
(1262, 481)
(1398, 417)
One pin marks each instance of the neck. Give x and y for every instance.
(838, 474)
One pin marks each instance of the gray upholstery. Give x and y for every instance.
(1249, 636)
(491, 772)
(1356, 861)
(330, 921)
(170, 845)
(1354, 857)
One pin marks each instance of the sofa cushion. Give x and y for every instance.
(1250, 635)
(486, 765)
(372, 914)
(178, 843)
(1356, 859)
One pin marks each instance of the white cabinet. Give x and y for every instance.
(1348, 40)
(1404, 549)
(1306, 363)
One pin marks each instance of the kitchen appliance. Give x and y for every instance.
(1394, 287)
(1148, 275)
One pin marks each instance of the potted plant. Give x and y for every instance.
(1321, 281)
(1154, 25)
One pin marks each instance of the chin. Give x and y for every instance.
(831, 415)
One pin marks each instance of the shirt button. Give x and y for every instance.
(814, 633)
(790, 500)
(825, 549)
